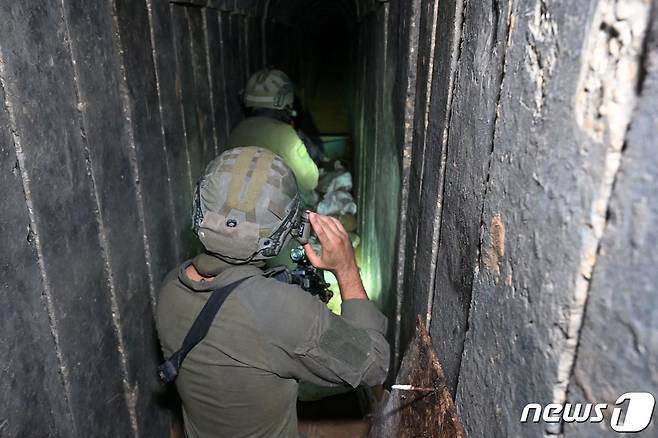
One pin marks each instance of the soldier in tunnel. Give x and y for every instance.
(269, 97)
(241, 379)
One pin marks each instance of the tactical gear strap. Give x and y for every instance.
(168, 371)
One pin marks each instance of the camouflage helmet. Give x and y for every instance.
(246, 204)
(269, 89)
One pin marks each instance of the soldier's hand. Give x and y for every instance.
(337, 255)
(337, 252)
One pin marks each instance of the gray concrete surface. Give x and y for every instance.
(618, 343)
(504, 169)
(26, 330)
(102, 134)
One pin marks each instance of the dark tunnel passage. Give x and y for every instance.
(323, 46)
(503, 168)
(326, 66)
(322, 54)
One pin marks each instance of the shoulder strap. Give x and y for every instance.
(168, 371)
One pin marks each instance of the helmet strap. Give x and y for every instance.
(235, 260)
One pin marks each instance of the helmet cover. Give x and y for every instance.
(245, 205)
(269, 89)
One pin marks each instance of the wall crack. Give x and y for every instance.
(501, 81)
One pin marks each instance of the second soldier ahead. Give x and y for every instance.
(269, 98)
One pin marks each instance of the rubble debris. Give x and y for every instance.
(428, 413)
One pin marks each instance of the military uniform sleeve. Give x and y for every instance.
(308, 342)
(304, 168)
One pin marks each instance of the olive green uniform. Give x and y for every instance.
(280, 138)
(241, 380)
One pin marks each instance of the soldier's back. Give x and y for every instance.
(282, 139)
(226, 383)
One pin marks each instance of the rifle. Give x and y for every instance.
(308, 277)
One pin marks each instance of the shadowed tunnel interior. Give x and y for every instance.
(321, 45)
(503, 155)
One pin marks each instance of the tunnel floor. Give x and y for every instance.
(334, 417)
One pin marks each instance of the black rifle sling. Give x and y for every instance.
(168, 371)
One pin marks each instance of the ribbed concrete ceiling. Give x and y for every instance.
(310, 11)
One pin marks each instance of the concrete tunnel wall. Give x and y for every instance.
(110, 112)
(512, 142)
(527, 235)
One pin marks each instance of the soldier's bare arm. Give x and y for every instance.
(337, 256)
